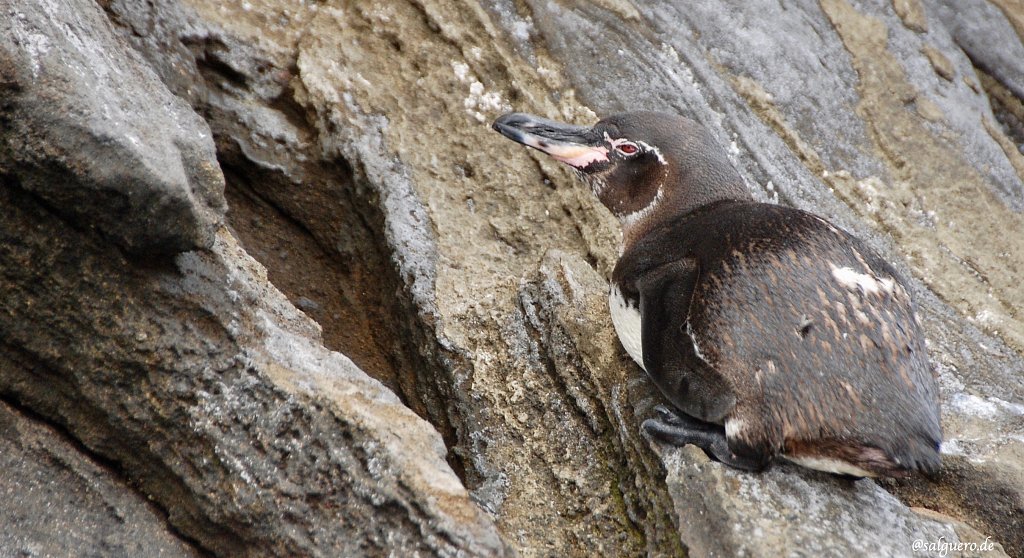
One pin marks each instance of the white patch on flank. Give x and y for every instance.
(626, 319)
(852, 280)
(693, 339)
(733, 427)
(829, 465)
(638, 215)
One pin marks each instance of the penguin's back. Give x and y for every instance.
(816, 336)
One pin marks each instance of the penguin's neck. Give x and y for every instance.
(686, 193)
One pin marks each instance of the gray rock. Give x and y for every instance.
(784, 511)
(191, 374)
(213, 393)
(817, 117)
(299, 211)
(985, 34)
(58, 502)
(844, 114)
(360, 131)
(90, 129)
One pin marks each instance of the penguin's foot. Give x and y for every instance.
(672, 417)
(680, 430)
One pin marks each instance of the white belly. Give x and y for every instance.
(626, 319)
(830, 465)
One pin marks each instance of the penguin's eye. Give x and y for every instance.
(627, 148)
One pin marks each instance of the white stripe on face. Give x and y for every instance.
(633, 218)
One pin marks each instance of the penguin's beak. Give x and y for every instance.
(577, 146)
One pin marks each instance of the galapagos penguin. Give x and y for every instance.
(772, 332)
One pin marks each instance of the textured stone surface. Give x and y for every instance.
(469, 275)
(61, 503)
(191, 373)
(843, 115)
(783, 510)
(215, 397)
(78, 102)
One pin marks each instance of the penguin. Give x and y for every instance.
(772, 333)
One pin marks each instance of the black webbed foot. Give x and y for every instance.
(672, 417)
(679, 430)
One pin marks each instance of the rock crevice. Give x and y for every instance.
(341, 152)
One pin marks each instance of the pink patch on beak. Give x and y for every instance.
(578, 156)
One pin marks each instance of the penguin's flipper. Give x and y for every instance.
(670, 357)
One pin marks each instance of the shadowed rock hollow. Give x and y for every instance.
(272, 287)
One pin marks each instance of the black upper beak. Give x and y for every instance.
(578, 146)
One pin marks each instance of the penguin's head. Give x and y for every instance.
(635, 162)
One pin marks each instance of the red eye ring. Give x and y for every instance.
(627, 148)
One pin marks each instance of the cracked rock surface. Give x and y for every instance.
(264, 264)
(61, 502)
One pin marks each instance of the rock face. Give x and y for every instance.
(60, 502)
(349, 144)
(190, 374)
(78, 102)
